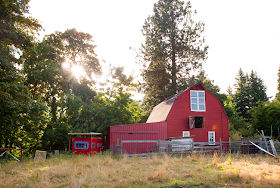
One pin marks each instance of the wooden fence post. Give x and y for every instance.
(121, 147)
(248, 146)
(229, 144)
(264, 140)
(221, 146)
(192, 144)
(20, 155)
(159, 145)
(69, 144)
(261, 145)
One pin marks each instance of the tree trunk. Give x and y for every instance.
(173, 67)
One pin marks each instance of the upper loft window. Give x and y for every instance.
(197, 100)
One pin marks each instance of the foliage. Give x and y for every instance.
(114, 107)
(43, 73)
(47, 74)
(173, 48)
(16, 105)
(250, 90)
(237, 124)
(278, 87)
(56, 138)
(16, 28)
(266, 117)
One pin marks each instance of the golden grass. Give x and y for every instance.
(106, 170)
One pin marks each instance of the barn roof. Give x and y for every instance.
(161, 111)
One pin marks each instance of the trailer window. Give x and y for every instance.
(81, 145)
(93, 145)
(99, 145)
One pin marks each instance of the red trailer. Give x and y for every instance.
(86, 146)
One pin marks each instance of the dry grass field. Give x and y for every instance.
(106, 170)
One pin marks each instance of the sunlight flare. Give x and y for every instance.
(78, 71)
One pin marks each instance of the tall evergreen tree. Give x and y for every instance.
(241, 98)
(278, 87)
(250, 89)
(174, 46)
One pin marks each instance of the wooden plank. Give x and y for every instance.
(264, 140)
(85, 134)
(272, 147)
(207, 147)
(139, 141)
(135, 132)
(262, 149)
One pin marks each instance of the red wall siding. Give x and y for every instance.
(141, 131)
(214, 118)
(88, 151)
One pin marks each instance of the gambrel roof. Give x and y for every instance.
(161, 111)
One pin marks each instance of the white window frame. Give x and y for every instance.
(186, 133)
(197, 100)
(211, 137)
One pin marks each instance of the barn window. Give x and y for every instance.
(93, 145)
(186, 133)
(81, 145)
(196, 122)
(197, 100)
(211, 137)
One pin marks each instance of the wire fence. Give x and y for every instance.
(147, 147)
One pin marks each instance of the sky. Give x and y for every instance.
(240, 34)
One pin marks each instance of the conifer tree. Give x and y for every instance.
(278, 87)
(250, 89)
(174, 46)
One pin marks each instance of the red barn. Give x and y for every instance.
(192, 112)
(141, 131)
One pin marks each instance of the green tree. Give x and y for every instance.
(47, 74)
(250, 89)
(44, 75)
(266, 117)
(113, 107)
(16, 104)
(48, 69)
(155, 87)
(173, 47)
(277, 97)
(237, 124)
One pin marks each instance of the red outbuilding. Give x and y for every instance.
(86, 146)
(191, 112)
